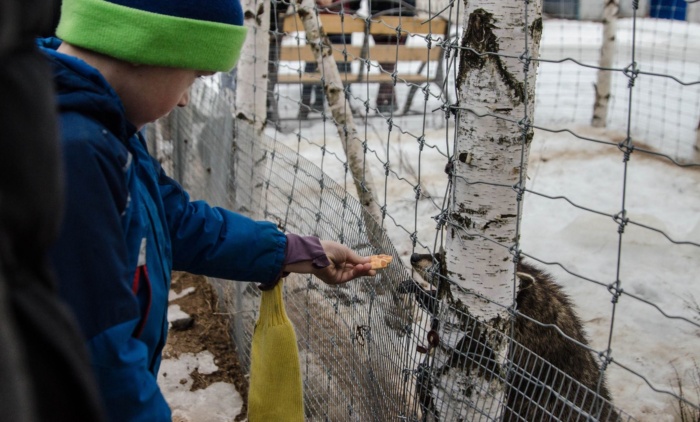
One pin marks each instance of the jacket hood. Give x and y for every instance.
(81, 88)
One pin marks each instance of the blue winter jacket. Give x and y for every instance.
(127, 225)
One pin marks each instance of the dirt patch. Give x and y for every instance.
(209, 330)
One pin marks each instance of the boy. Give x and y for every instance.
(122, 64)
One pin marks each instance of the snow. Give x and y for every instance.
(656, 276)
(219, 402)
(172, 295)
(659, 195)
(175, 313)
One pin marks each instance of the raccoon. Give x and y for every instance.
(535, 390)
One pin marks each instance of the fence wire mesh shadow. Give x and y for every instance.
(354, 339)
(366, 347)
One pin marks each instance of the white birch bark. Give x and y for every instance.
(318, 41)
(607, 58)
(490, 158)
(251, 91)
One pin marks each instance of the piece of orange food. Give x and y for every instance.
(380, 261)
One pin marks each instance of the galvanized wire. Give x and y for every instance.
(365, 347)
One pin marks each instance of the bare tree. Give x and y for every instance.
(607, 57)
(319, 43)
(496, 92)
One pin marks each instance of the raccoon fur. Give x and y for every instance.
(535, 390)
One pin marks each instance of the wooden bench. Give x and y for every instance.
(422, 47)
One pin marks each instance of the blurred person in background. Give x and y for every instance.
(327, 6)
(45, 372)
(386, 97)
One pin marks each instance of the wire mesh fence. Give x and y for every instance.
(610, 213)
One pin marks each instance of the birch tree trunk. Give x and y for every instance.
(319, 43)
(607, 57)
(496, 92)
(251, 92)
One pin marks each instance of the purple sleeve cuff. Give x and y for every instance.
(301, 248)
(305, 248)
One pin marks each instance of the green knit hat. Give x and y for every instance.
(190, 34)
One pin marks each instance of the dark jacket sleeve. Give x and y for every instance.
(94, 274)
(216, 242)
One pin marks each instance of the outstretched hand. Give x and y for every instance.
(345, 265)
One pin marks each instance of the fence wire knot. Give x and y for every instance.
(421, 142)
(364, 187)
(631, 72)
(441, 219)
(414, 239)
(605, 359)
(627, 148)
(447, 47)
(515, 252)
(418, 191)
(520, 190)
(621, 219)
(615, 290)
(524, 123)
(525, 59)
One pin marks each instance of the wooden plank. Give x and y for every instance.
(384, 52)
(380, 25)
(387, 25)
(402, 53)
(303, 53)
(332, 24)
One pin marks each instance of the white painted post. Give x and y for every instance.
(251, 92)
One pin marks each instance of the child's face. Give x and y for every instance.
(152, 92)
